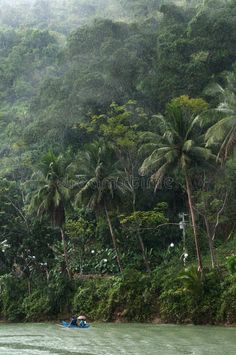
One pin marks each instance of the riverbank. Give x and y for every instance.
(166, 295)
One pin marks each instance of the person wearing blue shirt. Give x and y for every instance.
(82, 321)
(73, 322)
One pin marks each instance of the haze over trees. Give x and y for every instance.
(117, 116)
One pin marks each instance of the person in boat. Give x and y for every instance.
(82, 321)
(74, 322)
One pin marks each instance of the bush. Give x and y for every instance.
(36, 306)
(131, 296)
(185, 297)
(97, 298)
(13, 292)
(60, 292)
(227, 309)
(136, 296)
(231, 263)
(38, 302)
(175, 303)
(190, 298)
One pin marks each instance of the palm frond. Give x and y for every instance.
(147, 148)
(188, 145)
(155, 160)
(202, 153)
(158, 176)
(213, 89)
(56, 198)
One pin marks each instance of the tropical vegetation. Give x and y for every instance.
(117, 164)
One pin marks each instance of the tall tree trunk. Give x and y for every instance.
(113, 237)
(65, 252)
(210, 242)
(145, 259)
(29, 286)
(193, 217)
(140, 239)
(133, 199)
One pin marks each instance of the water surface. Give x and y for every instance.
(114, 339)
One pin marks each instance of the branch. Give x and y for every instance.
(218, 216)
(161, 225)
(19, 211)
(230, 234)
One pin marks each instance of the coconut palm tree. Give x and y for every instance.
(224, 130)
(52, 194)
(100, 184)
(181, 148)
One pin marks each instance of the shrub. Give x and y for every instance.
(13, 292)
(227, 309)
(231, 263)
(36, 306)
(130, 295)
(190, 298)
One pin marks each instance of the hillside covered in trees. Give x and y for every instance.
(117, 165)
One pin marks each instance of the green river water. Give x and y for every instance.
(114, 339)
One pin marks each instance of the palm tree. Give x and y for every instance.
(224, 131)
(100, 184)
(52, 194)
(181, 148)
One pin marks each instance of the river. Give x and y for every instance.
(114, 339)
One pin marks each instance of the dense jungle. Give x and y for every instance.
(117, 164)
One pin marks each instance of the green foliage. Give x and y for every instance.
(52, 193)
(112, 86)
(81, 234)
(144, 218)
(231, 263)
(36, 306)
(149, 228)
(227, 311)
(193, 106)
(188, 298)
(127, 297)
(13, 292)
(191, 282)
(99, 177)
(135, 296)
(22, 299)
(181, 145)
(91, 298)
(139, 302)
(223, 132)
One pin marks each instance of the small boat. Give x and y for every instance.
(67, 325)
